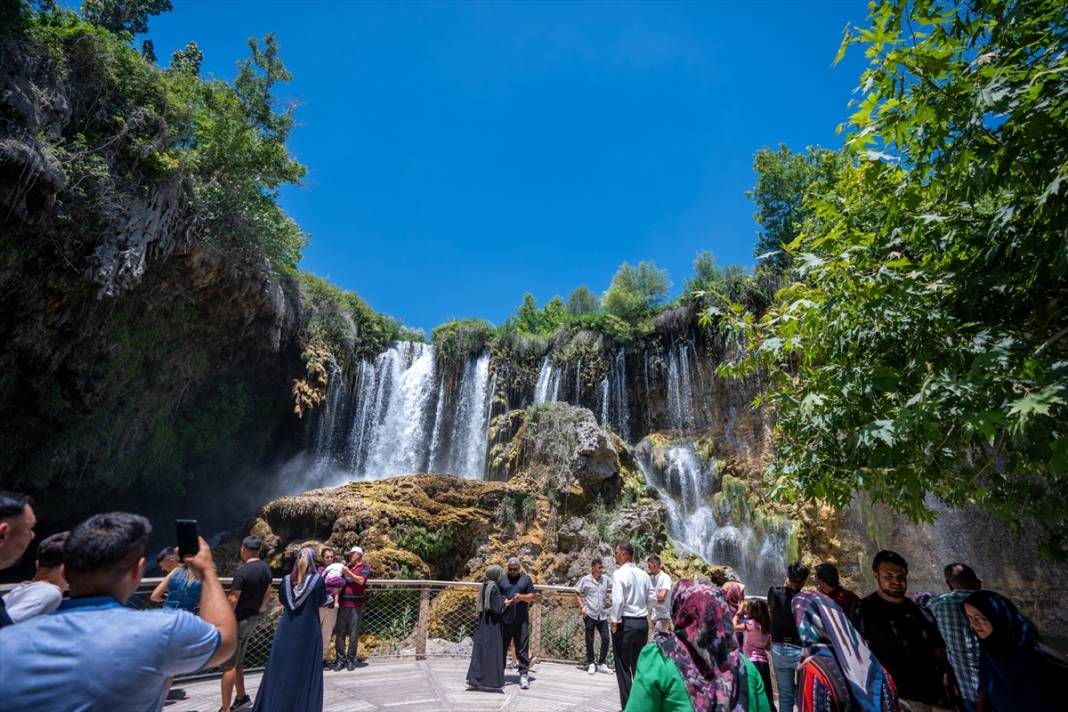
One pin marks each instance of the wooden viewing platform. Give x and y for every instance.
(434, 685)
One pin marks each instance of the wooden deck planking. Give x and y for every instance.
(435, 685)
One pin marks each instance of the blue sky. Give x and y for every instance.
(462, 154)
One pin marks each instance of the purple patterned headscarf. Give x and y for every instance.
(704, 648)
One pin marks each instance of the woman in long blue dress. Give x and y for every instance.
(486, 671)
(293, 678)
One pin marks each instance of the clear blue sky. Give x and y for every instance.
(462, 154)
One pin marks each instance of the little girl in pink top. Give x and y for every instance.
(753, 620)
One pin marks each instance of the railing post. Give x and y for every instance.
(535, 629)
(422, 627)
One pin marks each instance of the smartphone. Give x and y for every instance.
(188, 537)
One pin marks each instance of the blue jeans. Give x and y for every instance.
(785, 659)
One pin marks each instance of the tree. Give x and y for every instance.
(635, 290)
(582, 301)
(123, 15)
(188, 59)
(553, 315)
(528, 316)
(923, 349)
(784, 178)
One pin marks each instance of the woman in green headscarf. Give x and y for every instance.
(486, 671)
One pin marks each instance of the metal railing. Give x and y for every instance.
(424, 619)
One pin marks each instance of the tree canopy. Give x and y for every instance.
(635, 290)
(922, 350)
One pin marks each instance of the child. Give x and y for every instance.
(753, 620)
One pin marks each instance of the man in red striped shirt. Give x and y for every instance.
(350, 610)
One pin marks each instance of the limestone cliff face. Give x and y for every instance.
(137, 360)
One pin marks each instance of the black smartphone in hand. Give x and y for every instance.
(188, 537)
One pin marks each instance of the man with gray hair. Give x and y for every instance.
(518, 592)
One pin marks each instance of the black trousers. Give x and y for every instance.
(601, 627)
(520, 633)
(627, 642)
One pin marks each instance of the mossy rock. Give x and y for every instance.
(452, 610)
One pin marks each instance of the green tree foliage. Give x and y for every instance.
(634, 291)
(344, 322)
(582, 301)
(553, 315)
(713, 284)
(129, 16)
(187, 59)
(924, 349)
(527, 319)
(784, 178)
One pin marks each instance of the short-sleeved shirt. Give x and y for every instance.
(962, 644)
(594, 595)
(252, 579)
(517, 612)
(783, 627)
(354, 593)
(32, 598)
(903, 636)
(95, 654)
(661, 582)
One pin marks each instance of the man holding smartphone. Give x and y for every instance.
(95, 653)
(249, 593)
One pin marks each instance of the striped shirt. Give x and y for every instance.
(962, 645)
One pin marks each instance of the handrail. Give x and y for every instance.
(151, 583)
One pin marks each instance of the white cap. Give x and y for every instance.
(356, 550)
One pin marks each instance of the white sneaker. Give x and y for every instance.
(523, 683)
(603, 668)
(592, 669)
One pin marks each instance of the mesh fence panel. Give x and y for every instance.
(407, 619)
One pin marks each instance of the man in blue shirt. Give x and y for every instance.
(93, 653)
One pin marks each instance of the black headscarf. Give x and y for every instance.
(1014, 673)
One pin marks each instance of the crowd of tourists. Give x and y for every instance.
(68, 640)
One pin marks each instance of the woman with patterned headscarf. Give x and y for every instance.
(838, 673)
(486, 671)
(293, 678)
(697, 667)
(1014, 672)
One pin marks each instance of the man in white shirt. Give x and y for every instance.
(662, 594)
(593, 591)
(45, 592)
(632, 597)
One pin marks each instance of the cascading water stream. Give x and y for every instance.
(401, 420)
(703, 520)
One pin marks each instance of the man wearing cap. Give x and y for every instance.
(829, 585)
(350, 609)
(518, 592)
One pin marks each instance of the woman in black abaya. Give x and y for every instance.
(293, 678)
(486, 671)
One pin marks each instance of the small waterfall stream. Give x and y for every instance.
(712, 520)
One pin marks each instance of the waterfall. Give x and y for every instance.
(328, 419)
(618, 374)
(472, 416)
(680, 388)
(402, 424)
(435, 439)
(401, 419)
(703, 519)
(541, 389)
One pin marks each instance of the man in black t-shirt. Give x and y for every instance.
(903, 636)
(517, 590)
(248, 595)
(785, 640)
